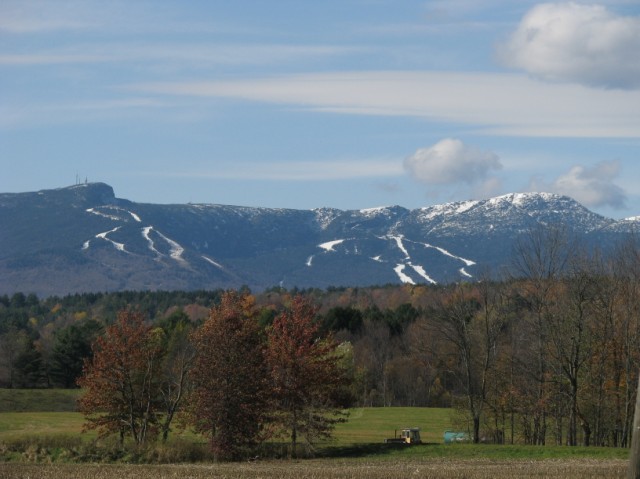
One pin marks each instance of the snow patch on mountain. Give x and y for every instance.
(329, 245)
(466, 206)
(463, 272)
(369, 212)
(325, 216)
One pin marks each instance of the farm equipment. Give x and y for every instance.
(452, 437)
(410, 435)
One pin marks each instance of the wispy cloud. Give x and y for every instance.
(12, 116)
(201, 56)
(44, 17)
(587, 44)
(38, 16)
(500, 104)
(51, 59)
(344, 169)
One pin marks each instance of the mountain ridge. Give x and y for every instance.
(84, 238)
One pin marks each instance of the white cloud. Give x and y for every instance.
(451, 161)
(498, 104)
(586, 44)
(593, 187)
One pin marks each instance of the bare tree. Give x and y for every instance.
(470, 320)
(540, 258)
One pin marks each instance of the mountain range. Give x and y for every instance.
(83, 238)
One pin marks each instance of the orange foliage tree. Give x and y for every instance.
(307, 376)
(121, 380)
(230, 392)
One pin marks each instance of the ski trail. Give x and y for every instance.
(399, 269)
(420, 270)
(175, 250)
(400, 244)
(209, 260)
(118, 246)
(146, 235)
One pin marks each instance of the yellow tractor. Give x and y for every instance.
(410, 435)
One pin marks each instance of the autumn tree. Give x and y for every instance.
(121, 380)
(306, 375)
(229, 400)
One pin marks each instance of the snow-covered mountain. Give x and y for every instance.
(83, 238)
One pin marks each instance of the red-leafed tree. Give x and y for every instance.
(229, 398)
(121, 380)
(306, 373)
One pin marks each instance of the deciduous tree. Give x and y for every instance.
(230, 394)
(121, 380)
(306, 375)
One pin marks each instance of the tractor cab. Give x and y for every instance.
(410, 435)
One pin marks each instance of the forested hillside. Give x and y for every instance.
(552, 354)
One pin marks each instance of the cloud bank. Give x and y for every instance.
(593, 187)
(572, 42)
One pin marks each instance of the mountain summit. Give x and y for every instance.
(83, 238)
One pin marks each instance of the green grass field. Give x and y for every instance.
(362, 436)
(17, 424)
(38, 400)
(373, 425)
(358, 441)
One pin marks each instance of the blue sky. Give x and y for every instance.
(341, 103)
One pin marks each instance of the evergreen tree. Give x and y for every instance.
(71, 346)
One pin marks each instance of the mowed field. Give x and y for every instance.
(355, 452)
(397, 468)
